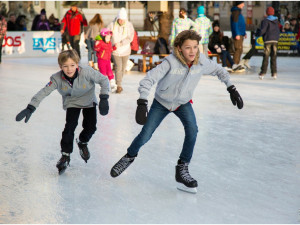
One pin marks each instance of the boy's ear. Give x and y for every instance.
(179, 49)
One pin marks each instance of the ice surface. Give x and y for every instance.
(247, 162)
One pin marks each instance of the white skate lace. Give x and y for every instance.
(184, 172)
(122, 165)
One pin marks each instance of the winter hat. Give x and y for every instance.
(43, 12)
(122, 14)
(216, 24)
(105, 31)
(270, 11)
(201, 9)
(238, 2)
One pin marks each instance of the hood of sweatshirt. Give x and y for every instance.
(180, 57)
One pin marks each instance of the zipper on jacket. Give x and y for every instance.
(102, 54)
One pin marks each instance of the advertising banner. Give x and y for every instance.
(287, 44)
(33, 44)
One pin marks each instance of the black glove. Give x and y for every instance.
(235, 97)
(141, 111)
(103, 105)
(25, 113)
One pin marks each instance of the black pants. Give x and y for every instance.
(250, 53)
(89, 127)
(270, 50)
(1, 41)
(74, 41)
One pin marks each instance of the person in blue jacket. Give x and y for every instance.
(177, 78)
(270, 32)
(238, 30)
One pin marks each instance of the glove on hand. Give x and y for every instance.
(25, 113)
(235, 97)
(103, 104)
(141, 111)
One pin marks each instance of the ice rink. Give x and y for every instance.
(247, 162)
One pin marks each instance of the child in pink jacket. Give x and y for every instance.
(104, 48)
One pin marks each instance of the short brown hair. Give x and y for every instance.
(68, 54)
(185, 35)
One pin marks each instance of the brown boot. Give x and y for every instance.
(119, 89)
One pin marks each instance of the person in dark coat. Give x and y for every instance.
(216, 45)
(238, 29)
(36, 19)
(270, 32)
(11, 23)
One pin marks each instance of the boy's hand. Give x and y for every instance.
(25, 113)
(103, 105)
(141, 111)
(235, 97)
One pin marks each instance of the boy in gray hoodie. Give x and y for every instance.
(176, 77)
(76, 84)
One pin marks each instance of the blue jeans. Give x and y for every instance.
(226, 55)
(157, 113)
(90, 45)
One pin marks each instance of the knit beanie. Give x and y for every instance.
(216, 24)
(270, 11)
(122, 14)
(200, 10)
(238, 2)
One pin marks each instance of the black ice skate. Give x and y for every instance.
(63, 163)
(83, 150)
(184, 179)
(121, 165)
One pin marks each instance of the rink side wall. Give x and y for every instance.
(49, 43)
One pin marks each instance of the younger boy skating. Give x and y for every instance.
(76, 84)
(176, 77)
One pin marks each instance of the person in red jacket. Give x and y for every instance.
(73, 21)
(104, 48)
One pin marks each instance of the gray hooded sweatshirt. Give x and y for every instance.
(79, 95)
(176, 82)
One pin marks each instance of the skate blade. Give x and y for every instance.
(60, 172)
(184, 188)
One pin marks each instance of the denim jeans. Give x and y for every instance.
(157, 113)
(226, 55)
(91, 53)
(270, 50)
(88, 124)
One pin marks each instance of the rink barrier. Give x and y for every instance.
(34, 44)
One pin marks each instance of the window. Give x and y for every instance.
(119, 4)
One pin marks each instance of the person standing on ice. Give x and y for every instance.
(123, 33)
(180, 24)
(204, 29)
(104, 48)
(270, 32)
(176, 77)
(72, 23)
(76, 84)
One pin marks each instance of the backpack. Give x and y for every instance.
(161, 46)
(148, 47)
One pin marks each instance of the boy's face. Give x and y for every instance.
(189, 50)
(69, 67)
